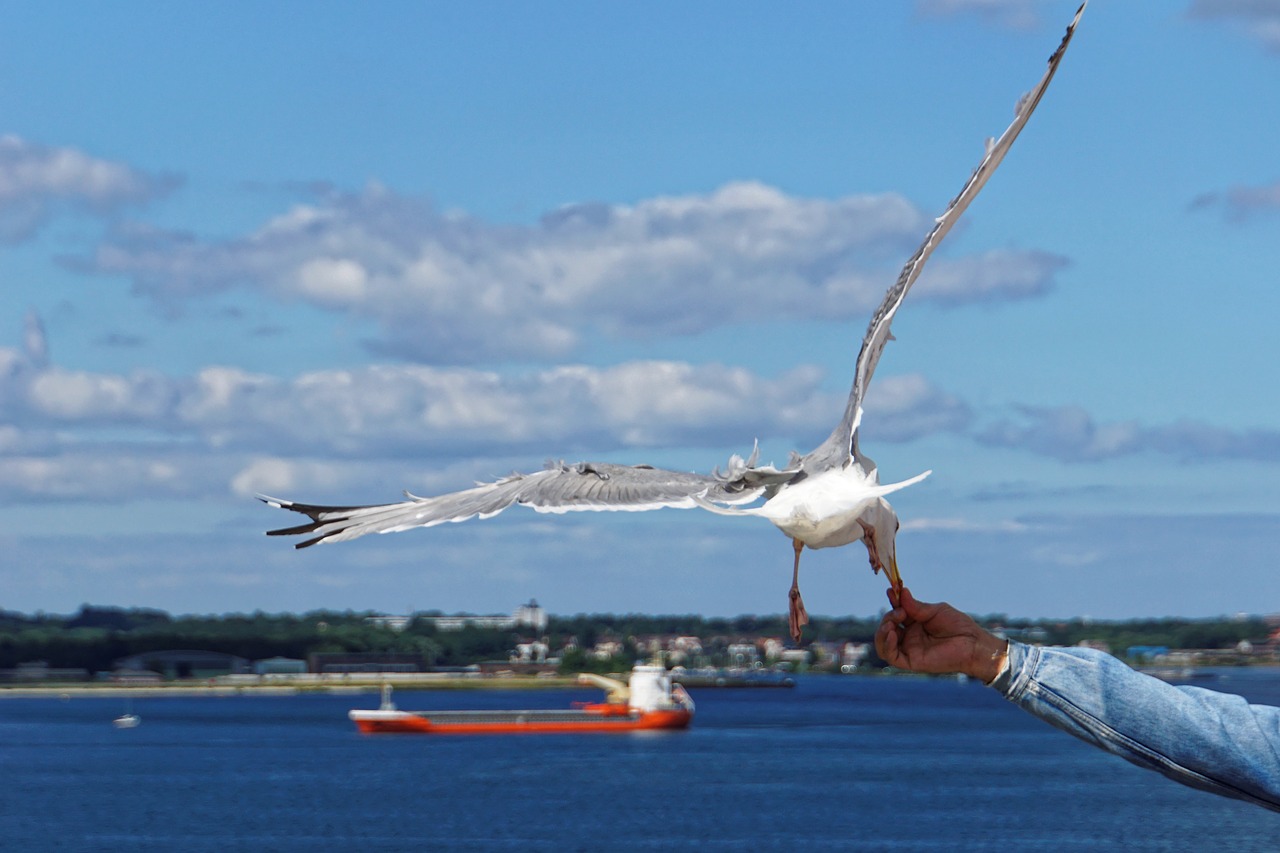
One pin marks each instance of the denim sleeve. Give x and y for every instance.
(1213, 741)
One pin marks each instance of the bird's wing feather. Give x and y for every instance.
(559, 488)
(843, 440)
(852, 498)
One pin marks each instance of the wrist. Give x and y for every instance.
(989, 655)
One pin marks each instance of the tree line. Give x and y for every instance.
(95, 638)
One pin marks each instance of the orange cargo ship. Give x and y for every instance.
(648, 702)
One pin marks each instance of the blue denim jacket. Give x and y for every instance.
(1214, 741)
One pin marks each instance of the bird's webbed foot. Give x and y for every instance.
(797, 616)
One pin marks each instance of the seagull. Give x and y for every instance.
(827, 498)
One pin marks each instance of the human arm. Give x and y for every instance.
(1217, 742)
(1213, 741)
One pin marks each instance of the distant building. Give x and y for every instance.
(340, 662)
(682, 649)
(131, 676)
(1031, 634)
(532, 650)
(1147, 654)
(279, 666)
(525, 616)
(394, 623)
(795, 657)
(531, 616)
(853, 654)
(742, 654)
(185, 663)
(40, 670)
(504, 667)
(606, 649)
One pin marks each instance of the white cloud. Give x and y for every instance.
(991, 276)
(964, 525)
(91, 435)
(454, 289)
(1066, 557)
(120, 474)
(64, 395)
(81, 434)
(1260, 19)
(1070, 433)
(903, 408)
(37, 181)
(332, 282)
(390, 410)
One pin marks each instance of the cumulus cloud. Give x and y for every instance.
(904, 408)
(1070, 433)
(997, 275)
(37, 181)
(448, 288)
(82, 434)
(1259, 18)
(389, 410)
(90, 474)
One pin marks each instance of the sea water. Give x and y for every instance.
(837, 763)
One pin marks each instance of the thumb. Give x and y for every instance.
(917, 611)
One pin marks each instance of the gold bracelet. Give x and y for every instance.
(1003, 656)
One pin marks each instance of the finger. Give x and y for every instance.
(894, 599)
(886, 641)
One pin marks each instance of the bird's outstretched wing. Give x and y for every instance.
(559, 488)
(844, 439)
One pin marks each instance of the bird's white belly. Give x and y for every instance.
(822, 511)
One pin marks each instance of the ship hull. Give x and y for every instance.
(517, 722)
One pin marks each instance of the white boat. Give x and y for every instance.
(126, 721)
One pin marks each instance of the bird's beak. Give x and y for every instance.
(892, 571)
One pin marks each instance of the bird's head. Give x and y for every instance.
(879, 533)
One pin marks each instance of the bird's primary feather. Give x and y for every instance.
(843, 441)
(558, 488)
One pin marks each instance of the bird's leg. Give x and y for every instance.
(873, 553)
(797, 617)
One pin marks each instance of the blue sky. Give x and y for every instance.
(330, 253)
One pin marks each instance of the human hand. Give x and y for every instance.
(937, 638)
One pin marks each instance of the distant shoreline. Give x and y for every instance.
(352, 687)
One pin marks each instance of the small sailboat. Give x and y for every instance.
(127, 720)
